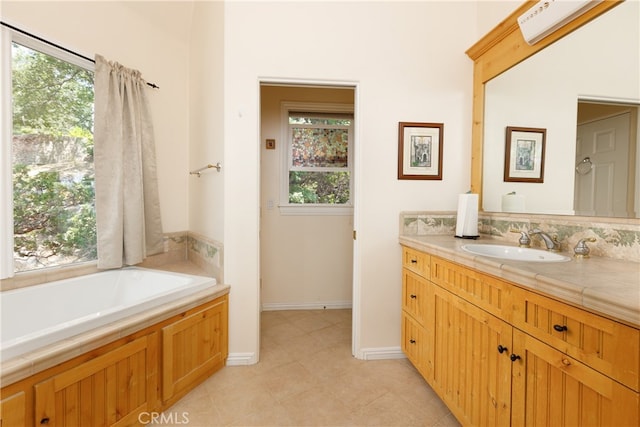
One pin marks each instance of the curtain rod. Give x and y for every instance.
(153, 85)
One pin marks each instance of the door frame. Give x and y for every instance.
(356, 280)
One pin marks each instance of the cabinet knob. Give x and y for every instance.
(412, 341)
(502, 349)
(566, 362)
(560, 328)
(414, 296)
(45, 420)
(514, 357)
(414, 261)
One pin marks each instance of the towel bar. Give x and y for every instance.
(217, 166)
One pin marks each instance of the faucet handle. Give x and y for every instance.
(524, 241)
(581, 250)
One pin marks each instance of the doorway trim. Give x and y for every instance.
(356, 282)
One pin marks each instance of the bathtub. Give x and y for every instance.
(36, 316)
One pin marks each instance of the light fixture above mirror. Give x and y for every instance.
(546, 16)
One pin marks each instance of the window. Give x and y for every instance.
(51, 155)
(318, 173)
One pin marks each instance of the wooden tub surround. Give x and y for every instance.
(501, 347)
(118, 376)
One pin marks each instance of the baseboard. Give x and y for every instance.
(332, 305)
(381, 353)
(241, 359)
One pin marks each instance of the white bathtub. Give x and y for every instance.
(36, 316)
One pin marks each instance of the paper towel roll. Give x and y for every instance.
(512, 203)
(467, 219)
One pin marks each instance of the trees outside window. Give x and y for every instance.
(319, 168)
(52, 147)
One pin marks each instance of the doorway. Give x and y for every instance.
(306, 254)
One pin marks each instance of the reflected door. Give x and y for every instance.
(602, 189)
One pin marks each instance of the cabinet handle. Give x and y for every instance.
(566, 362)
(412, 341)
(560, 328)
(414, 261)
(414, 296)
(514, 357)
(45, 420)
(502, 349)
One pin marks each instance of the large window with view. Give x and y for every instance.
(52, 157)
(319, 161)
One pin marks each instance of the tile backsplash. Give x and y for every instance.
(188, 246)
(615, 238)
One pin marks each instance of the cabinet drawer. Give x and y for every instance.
(415, 343)
(603, 344)
(482, 290)
(414, 295)
(416, 261)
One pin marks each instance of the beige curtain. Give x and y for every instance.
(127, 204)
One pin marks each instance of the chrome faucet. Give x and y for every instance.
(551, 242)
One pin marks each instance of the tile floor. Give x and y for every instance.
(307, 377)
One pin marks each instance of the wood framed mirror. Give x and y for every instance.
(501, 49)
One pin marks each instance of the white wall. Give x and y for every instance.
(306, 260)
(407, 60)
(492, 12)
(206, 120)
(150, 37)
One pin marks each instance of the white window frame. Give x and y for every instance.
(287, 208)
(8, 36)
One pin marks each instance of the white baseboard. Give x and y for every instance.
(381, 353)
(332, 305)
(241, 359)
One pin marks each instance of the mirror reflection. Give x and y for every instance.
(584, 90)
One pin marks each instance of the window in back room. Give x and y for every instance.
(52, 157)
(318, 171)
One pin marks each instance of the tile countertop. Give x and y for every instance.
(607, 286)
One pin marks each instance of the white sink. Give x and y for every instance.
(514, 253)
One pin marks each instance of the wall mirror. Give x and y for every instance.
(584, 91)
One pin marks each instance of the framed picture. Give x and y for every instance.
(524, 155)
(420, 150)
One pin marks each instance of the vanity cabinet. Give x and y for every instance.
(499, 354)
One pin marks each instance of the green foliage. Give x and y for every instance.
(52, 218)
(50, 96)
(319, 187)
(53, 195)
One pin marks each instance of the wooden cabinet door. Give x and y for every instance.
(553, 389)
(110, 390)
(13, 410)
(469, 372)
(193, 348)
